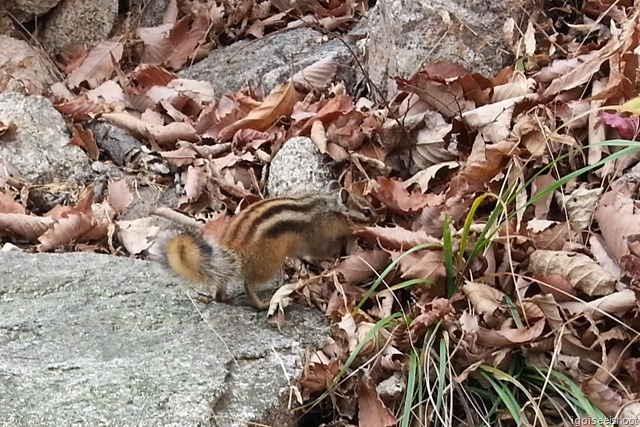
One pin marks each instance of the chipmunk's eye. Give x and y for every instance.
(366, 212)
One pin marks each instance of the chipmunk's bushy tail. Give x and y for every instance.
(205, 264)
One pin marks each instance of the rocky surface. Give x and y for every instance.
(298, 167)
(26, 10)
(22, 68)
(90, 339)
(270, 61)
(79, 21)
(406, 35)
(39, 146)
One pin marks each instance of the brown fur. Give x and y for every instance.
(262, 236)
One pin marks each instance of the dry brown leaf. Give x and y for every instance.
(138, 235)
(372, 412)
(80, 108)
(556, 285)
(277, 104)
(163, 135)
(483, 164)
(548, 309)
(361, 266)
(10, 206)
(329, 111)
(500, 338)
(542, 204)
(27, 227)
(580, 270)
(157, 46)
(319, 377)
(602, 396)
(396, 238)
(493, 120)
(392, 193)
(619, 221)
(187, 36)
(518, 85)
(84, 139)
(317, 75)
(119, 196)
(604, 258)
(282, 299)
(196, 181)
(424, 264)
(485, 299)
(617, 303)
(585, 66)
(98, 66)
(64, 231)
(448, 99)
(549, 235)
(580, 205)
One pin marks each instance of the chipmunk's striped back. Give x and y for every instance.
(258, 239)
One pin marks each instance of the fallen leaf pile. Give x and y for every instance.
(511, 226)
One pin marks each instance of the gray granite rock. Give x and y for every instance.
(270, 61)
(39, 147)
(298, 167)
(79, 21)
(22, 68)
(90, 339)
(406, 35)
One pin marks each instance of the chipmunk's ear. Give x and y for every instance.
(334, 186)
(344, 195)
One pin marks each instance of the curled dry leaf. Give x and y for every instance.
(282, 297)
(195, 183)
(98, 66)
(163, 135)
(619, 220)
(604, 258)
(319, 377)
(317, 75)
(580, 270)
(397, 238)
(372, 412)
(64, 231)
(557, 286)
(10, 206)
(485, 299)
(602, 396)
(27, 227)
(425, 264)
(549, 235)
(617, 303)
(137, 235)
(580, 206)
(493, 120)
(277, 104)
(84, 139)
(547, 307)
(392, 193)
(119, 196)
(500, 338)
(383, 304)
(435, 311)
(360, 266)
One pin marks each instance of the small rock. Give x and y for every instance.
(39, 147)
(79, 21)
(22, 69)
(298, 167)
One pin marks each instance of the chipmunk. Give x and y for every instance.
(256, 242)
